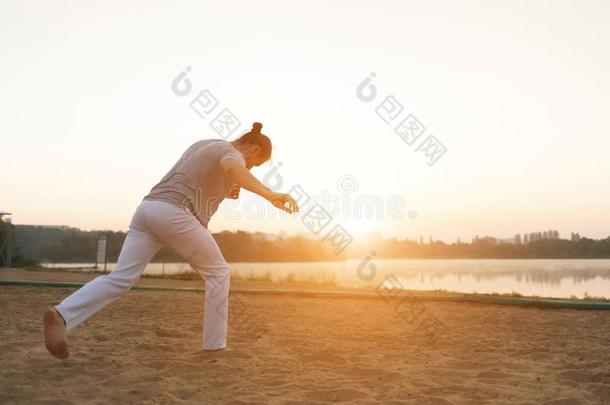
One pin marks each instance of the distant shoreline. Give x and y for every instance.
(188, 279)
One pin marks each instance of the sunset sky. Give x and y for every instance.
(517, 92)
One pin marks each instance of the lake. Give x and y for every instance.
(544, 278)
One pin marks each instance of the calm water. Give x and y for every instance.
(545, 278)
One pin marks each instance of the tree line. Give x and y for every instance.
(75, 245)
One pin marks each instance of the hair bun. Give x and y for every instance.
(256, 127)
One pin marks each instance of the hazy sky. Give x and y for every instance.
(516, 91)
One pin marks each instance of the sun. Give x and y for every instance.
(358, 226)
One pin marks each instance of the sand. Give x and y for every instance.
(145, 348)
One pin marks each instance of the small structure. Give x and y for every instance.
(102, 250)
(6, 239)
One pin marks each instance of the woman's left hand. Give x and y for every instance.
(284, 202)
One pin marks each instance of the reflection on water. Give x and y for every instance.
(545, 278)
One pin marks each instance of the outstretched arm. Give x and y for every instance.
(238, 174)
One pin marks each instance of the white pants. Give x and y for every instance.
(154, 225)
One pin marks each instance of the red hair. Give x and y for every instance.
(256, 138)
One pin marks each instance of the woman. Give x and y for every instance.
(176, 213)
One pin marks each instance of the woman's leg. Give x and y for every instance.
(179, 228)
(138, 249)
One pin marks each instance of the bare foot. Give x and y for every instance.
(55, 334)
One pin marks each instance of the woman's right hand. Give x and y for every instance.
(284, 202)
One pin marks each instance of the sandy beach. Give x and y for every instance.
(144, 348)
(392, 202)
